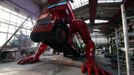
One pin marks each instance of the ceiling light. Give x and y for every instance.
(97, 30)
(97, 21)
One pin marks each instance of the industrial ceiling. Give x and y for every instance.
(109, 11)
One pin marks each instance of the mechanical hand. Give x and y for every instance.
(28, 59)
(93, 69)
(34, 58)
(90, 66)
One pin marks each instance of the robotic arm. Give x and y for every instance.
(90, 66)
(34, 58)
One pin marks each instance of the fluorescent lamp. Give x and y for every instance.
(96, 29)
(97, 21)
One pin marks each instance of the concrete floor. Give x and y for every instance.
(51, 65)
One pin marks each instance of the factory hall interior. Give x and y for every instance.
(66, 37)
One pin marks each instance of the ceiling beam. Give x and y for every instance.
(116, 16)
(92, 10)
(104, 10)
(113, 5)
(127, 4)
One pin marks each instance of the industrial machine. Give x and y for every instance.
(56, 27)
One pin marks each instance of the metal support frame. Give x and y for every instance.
(1, 48)
(92, 10)
(32, 23)
(92, 13)
(109, 46)
(124, 22)
(130, 17)
(117, 49)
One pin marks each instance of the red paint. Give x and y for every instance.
(59, 14)
(92, 10)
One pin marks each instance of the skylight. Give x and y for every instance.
(79, 3)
